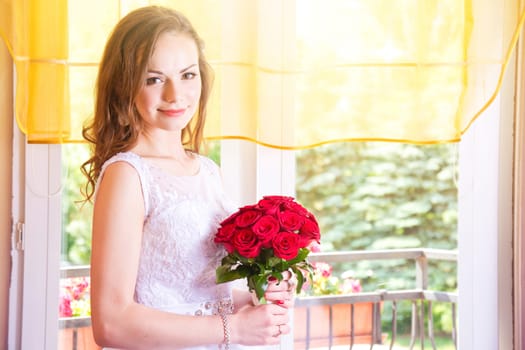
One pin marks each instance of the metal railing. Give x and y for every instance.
(418, 296)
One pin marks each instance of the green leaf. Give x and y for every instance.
(273, 261)
(226, 274)
(300, 278)
(301, 256)
(228, 260)
(258, 284)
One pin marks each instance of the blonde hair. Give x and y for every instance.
(116, 123)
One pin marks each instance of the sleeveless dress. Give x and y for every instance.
(178, 257)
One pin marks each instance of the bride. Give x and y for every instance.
(158, 202)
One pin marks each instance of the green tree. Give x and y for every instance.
(383, 196)
(76, 214)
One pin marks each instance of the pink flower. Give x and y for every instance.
(351, 286)
(323, 281)
(64, 308)
(323, 269)
(315, 247)
(74, 297)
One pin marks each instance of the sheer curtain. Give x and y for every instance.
(289, 73)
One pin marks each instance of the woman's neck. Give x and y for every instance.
(161, 145)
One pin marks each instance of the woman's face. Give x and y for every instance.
(172, 88)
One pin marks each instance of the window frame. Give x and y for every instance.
(38, 298)
(484, 239)
(34, 297)
(250, 171)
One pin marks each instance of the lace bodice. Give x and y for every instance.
(178, 256)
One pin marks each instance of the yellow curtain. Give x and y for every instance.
(289, 73)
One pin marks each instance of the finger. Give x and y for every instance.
(286, 304)
(293, 280)
(277, 287)
(287, 275)
(279, 308)
(282, 295)
(284, 328)
(291, 285)
(279, 298)
(278, 331)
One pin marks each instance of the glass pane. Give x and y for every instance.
(378, 196)
(74, 308)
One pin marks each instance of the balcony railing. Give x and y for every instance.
(418, 297)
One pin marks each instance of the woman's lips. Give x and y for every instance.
(173, 112)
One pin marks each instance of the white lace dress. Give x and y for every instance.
(178, 256)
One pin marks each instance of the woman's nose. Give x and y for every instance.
(171, 91)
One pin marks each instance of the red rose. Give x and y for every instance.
(286, 245)
(269, 206)
(278, 199)
(224, 235)
(290, 220)
(246, 243)
(230, 219)
(265, 229)
(296, 207)
(247, 217)
(310, 230)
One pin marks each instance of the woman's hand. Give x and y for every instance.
(281, 292)
(264, 324)
(259, 325)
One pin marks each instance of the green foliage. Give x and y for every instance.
(384, 196)
(257, 270)
(76, 215)
(213, 150)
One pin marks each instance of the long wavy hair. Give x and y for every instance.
(117, 124)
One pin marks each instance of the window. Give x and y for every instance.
(250, 171)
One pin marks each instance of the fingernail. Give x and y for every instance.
(272, 279)
(280, 302)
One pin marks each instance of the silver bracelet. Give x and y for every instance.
(226, 330)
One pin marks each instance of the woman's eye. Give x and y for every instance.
(153, 80)
(189, 75)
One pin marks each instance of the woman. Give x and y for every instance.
(158, 203)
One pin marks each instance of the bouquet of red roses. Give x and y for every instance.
(266, 239)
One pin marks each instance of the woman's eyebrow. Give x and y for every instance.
(189, 67)
(156, 71)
